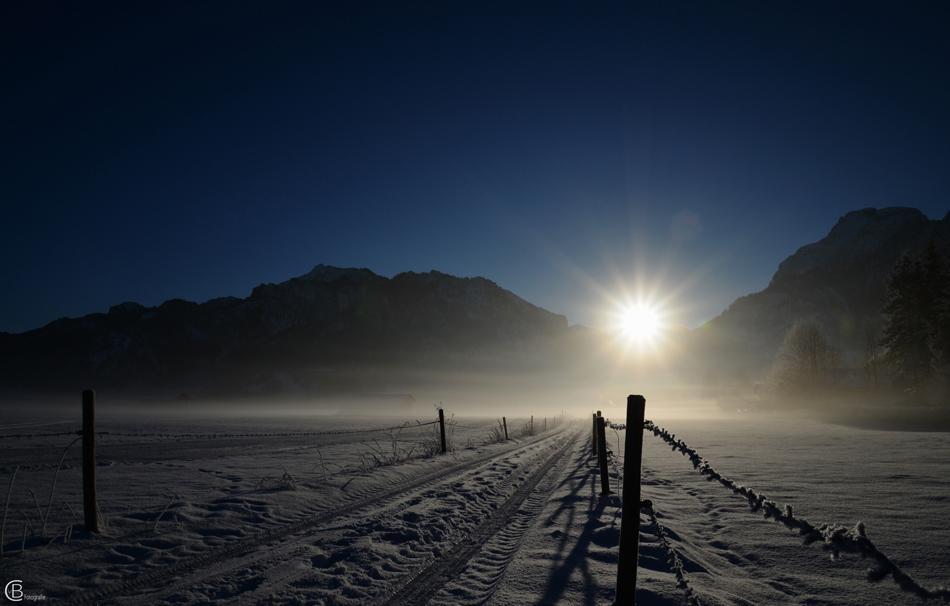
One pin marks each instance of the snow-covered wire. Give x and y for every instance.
(835, 538)
(672, 556)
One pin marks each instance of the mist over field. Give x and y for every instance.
(851, 327)
(425, 439)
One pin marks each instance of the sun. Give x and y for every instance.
(639, 323)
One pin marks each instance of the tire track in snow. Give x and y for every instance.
(268, 577)
(368, 497)
(511, 514)
(484, 572)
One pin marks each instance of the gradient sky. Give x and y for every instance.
(195, 152)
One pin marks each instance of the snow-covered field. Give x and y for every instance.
(363, 518)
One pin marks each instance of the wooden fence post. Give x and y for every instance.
(504, 423)
(593, 434)
(90, 513)
(630, 514)
(602, 456)
(442, 429)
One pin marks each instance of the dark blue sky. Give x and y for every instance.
(165, 151)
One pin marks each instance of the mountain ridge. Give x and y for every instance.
(838, 281)
(342, 317)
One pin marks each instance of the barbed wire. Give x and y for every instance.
(672, 556)
(835, 538)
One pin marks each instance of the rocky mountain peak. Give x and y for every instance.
(330, 273)
(127, 308)
(857, 237)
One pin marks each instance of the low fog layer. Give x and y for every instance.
(333, 340)
(854, 327)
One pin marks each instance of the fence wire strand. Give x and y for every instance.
(218, 435)
(40, 435)
(834, 537)
(672, 556)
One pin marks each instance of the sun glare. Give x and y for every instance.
(639, 323)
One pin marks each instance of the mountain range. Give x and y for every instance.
(340, 329)
(323, 331)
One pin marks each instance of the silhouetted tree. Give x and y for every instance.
(915, 318)
(806, 359)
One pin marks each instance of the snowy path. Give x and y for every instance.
(261, 545)
(379, 541)
(510, 516)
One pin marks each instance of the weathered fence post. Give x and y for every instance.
(593, 434)
(442, 429)
(504, 423)
(90, 513)
(545, 424)
(630, 514)
(602, 455)
(532, 425)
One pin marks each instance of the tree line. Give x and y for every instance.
(913, 349)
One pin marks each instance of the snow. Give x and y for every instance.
(325, 519)
(835, 538)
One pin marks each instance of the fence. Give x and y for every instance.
(438, 443)
(833, 537)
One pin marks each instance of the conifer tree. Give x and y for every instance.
(906, 329)
(916, 315)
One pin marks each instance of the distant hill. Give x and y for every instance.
(317, 332)
(839, 282)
